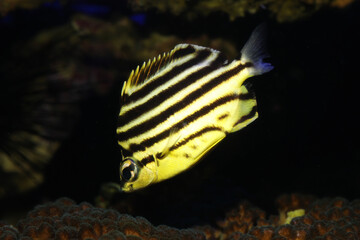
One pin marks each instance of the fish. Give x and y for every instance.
(179, 105)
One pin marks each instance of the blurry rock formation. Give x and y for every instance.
(46, 79)
(282, 11)
(9, 5)
(43, 83)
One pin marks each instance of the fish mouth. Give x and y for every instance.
(130, 188)
(125, 187)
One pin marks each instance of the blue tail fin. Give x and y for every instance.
(254, 51)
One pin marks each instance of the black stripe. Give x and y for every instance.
(170, 91)
(142, 92)
(151, 123)
(247, 96)
(247, 116)
(225, 115)
(162, 96)
(203, 111)
(195, 135)
(147, 160)
(183, 52)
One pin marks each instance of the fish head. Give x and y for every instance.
(134, 175)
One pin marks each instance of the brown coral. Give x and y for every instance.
(64, 219)
(324, 219)
(243, 218)
(8, 232)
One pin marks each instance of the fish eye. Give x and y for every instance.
(128, 170)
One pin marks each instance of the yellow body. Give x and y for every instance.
(186, 156)
(179, 106)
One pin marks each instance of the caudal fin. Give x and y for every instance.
(254, 51)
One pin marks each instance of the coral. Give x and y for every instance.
(243, 218)
(284, 11)
(239, 221)
(323, 219)
(8, 232)
(63, 219)
(289, 203)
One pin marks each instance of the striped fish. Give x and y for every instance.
(178, 106)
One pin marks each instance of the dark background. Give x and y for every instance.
(305, 140)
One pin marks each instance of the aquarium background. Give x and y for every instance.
(71, 58)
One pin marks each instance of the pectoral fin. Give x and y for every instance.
(173, 138)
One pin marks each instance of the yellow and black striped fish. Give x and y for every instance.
(176, 107)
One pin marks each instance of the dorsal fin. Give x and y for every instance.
(151, 67)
